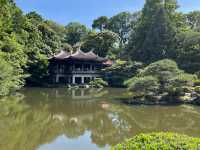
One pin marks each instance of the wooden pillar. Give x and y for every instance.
(82, 80)
(90, 67)
(82, 67)
(57, 79)
(73, 80)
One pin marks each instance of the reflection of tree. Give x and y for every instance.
(44, 114)
(158, 118)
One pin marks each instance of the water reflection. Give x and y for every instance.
(41, 117)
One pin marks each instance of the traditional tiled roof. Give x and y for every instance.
(80, 55)
(62, 55)
(108, 62)
(91, 54)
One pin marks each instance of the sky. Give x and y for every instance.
(85, 11)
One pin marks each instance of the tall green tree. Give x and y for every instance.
(75, 32)
(188, 51)
(34, 17)
(10, 80)
(11, 46)
(57, 28)
(155, 34)
(100, 23)
(102, 43)
(193, 20)
(122, 24)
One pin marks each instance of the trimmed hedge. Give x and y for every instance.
(160, 141)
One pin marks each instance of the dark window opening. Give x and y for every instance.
(62, 80)
(78, 80)
(87, 79)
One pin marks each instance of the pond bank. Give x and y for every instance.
(170, 101)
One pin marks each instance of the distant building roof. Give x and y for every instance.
(79, 55)
(62, 55)
(108, 62)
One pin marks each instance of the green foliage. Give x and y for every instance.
(197, 89)
(57, 28)
(100, 23)
(193, 20)
(67, 47)
(161, 78)
(102, 43)
(159, 141)
(9, 79)
(34, 17)
(121, 71)
(197, 82)
(42, 41)
(49, 38)
(98, 83)
(154, 36)
(122, 24)
(148, 85)
(75, 32)
(189, 51)
(197, 86)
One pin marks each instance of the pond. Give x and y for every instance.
(60, 119)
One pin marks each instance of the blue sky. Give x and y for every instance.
(85, 11)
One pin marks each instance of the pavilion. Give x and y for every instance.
(76, 68)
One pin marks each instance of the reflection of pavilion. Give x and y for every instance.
(84, 93)
(81, 94)
(76, 68)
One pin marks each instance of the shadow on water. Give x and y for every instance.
(40, 116)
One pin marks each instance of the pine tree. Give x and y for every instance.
(155, 35)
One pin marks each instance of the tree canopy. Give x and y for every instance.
(154, 36)
(161, 78)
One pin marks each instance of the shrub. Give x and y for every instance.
(160, 141)
(197, 83)
(98, 83)
(9, 79)
(120, 72)
(197, 89)
(161, 78)
(143, 86)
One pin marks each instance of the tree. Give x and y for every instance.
(75, 32)
(9, 79)
(171, 6)
(40, 44)
(122, 24)
(49, 38)
(101, 43)
(66, 47)
(193, 20)
(188, 51)
(121, 71)
(154, 36)
(100, 23)
(57, 28)
(161, 78)
(144, 86)
(34, 17)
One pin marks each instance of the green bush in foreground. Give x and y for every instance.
(160, 141)
(98, 83)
